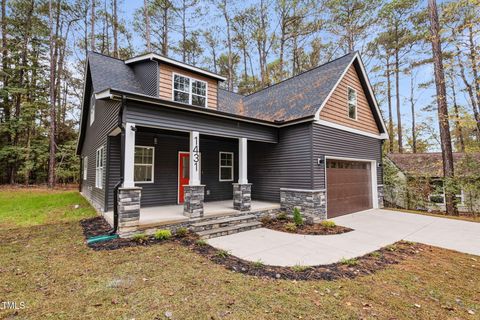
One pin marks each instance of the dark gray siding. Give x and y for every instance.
(164, 189)
(146, 73)
(339, 143)
(114, 161)
(106, 119)
(173, 119)
(287, 164)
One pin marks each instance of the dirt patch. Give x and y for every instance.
(351, 268)
(285, 225)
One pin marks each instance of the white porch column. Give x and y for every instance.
(242, 161)
(129, 161)
(194, 158)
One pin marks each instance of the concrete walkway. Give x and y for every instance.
(373, 229)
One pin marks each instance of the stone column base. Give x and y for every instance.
(193, 201)
(380, 195)
(311, 203)
(128, 209)
(242, 196)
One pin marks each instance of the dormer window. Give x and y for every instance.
(190, 91)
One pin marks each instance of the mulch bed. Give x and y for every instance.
(312, 229)
(365, 265)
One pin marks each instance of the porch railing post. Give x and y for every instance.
(242, 191)
(242, 159)
(128, 175)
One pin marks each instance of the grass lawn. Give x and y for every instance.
(46, 265)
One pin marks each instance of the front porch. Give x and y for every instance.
(158, 216)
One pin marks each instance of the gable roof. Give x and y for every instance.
(430, 164)
(108, 72)
(296, 97)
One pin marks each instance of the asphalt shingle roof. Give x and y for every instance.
(108, 72)
(291, 99)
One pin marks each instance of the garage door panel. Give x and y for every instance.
(348, 187)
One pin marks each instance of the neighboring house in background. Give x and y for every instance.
(423, 172)
(179, 148)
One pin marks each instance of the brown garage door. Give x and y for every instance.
(348, 187)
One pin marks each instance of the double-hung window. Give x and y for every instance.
(190, 91)
(85, 167)
(437, 193)
(99, 161)
(352, 103)
(144, 162)
(226, 166)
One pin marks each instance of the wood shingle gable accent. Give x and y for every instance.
(336, 107)
(166, 72)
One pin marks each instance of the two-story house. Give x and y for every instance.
(162, 143)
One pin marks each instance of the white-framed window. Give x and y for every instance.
(352, 103)
(189, 90)
(99, 161)
(437, 195)
(144, 164)
(225, 168)
(85, 167)
(92, 109)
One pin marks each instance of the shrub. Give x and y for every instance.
(328, 224)
(258, 264)
(297, 217)
(222, 254)
(265, 219)
(140, 237)
(182, 232)
(201, 242)
(163, 234)
(376, 254)
(349, 262)
(282, 216)
(391, 247)
(291, 227)
(300, 268)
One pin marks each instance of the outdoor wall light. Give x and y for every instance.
(321, 160)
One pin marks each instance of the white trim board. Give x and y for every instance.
(153, 56)
(382, 136)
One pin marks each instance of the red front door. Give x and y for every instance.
(183, 174)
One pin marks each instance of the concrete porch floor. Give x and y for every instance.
(174, 213)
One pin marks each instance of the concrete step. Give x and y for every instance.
(222, 222)
(231, 229)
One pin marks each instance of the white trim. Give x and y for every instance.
(92, 110)
(356, 104)
(195, 170)
(232, 170)
(129, 157)
(373, 177)
(146, 165)
(381, 136)
(190, 94)
(106, 93)
(243, 160)
(85, 168)
(370, 91)
(174, 62)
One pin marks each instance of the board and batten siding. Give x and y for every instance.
(333, 142)
(164, 189)
(166, 72)
(162, 117)
(96, 135)
(147, 74)
(114, 162)
(287, 164)
(336, 107)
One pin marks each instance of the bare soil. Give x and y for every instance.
(306, 228)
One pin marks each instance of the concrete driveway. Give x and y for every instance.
(373, 229)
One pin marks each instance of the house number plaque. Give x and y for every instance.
(196, 155)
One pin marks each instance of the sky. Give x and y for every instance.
(424, 96)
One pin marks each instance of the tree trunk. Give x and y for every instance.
(458, 127)
(474, 63)
(165, 31)
(147, 25)
(92, 26)
(52, 135)
(389, 100)
(397, 96)
(229, 45)
(412, 106)
(184, 31)
(446, 141)
(115, 30)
